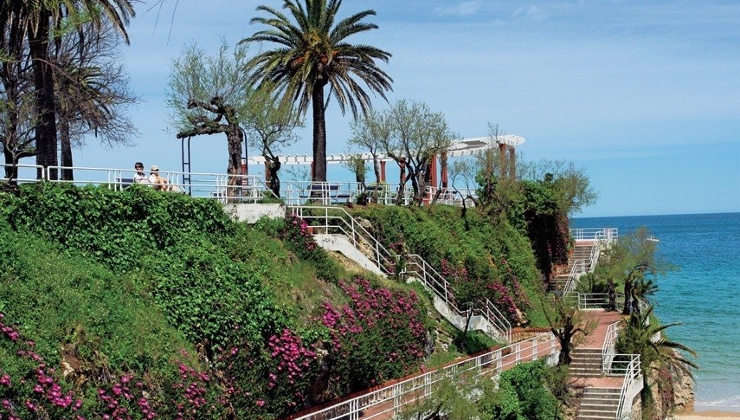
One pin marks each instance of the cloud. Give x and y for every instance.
(531, 12)
(465, 8)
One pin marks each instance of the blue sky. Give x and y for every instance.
(645, 96)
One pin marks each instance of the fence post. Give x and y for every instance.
(517, 352)
(534, 348)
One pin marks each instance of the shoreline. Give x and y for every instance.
(701, 415)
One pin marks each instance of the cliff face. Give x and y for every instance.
(672, 392)
(683, 392)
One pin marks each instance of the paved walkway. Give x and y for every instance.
(595, 340)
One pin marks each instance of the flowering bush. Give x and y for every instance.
(379, 335)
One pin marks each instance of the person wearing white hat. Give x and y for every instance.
(156, 180)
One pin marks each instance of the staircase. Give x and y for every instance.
(599, 404)
(586, 362)
(336, 230)
(578, 262)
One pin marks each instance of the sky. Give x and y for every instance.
(644, 96)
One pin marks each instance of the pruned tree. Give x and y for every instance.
(370, 132)
(210, 95)
(269, 125)
(417, 134)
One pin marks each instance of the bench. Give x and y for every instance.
(330, 192)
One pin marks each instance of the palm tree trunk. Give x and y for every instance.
(66, 144)
(46, 130)
(319, 135)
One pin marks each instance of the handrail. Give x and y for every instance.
(578, 267)
(415, 264)
(632, 374)
(607, 234)
(224, 187)
(389, 400)
(383, 258)
(608, 349)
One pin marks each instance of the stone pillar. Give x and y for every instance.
(443, 163)
(512, 162)
(382, 171)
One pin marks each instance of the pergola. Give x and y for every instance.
(464, 147)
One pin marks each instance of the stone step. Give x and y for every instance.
(599, 405)
(592, 391)
(587, 350)
(587, 413)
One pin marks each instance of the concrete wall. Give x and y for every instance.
(251, 212)
(340, 243)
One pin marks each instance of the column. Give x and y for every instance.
(443, 162)
(382, 171)
(512, 162)
(433, 172)
(502, 156)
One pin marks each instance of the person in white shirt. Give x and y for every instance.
(140, 175)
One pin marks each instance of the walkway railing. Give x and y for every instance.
(586, 234)
(336, 220)
(608, 350)
(223, 187)
(632, 384)
(387, 401)
(577, 268)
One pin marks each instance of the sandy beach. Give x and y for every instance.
(708, 414)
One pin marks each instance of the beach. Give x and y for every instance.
(708, 414)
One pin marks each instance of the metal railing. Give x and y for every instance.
(577, 268)
(223, 187)
(585, 234)
(608, 350)
(388, 401)
(629, 366)
(336, 220)
(25, 173)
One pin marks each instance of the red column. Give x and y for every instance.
(502, 156)
(382, 171)
(512, 162)
(443, 162)
(402, 165)
(433, 171)
(267, 171)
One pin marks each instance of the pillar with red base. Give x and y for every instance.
(382, 171)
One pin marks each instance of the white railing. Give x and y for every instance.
(390, 400)
(336, 220)
(632, 384)
(224, 187)
(608, 350)
(577, 268)
(25, 173)
(586, 234)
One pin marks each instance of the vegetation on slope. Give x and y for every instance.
(146, 302)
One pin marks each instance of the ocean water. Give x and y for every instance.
(703, 294)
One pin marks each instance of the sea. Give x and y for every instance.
(703, 294)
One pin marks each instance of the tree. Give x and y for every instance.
(311, 53)
(269, 126)
(90, 91)
(43, 22)
(655, 349)
(417, 134)
(632, 261)
(568, 324)
(17, 106)
(370, 132)
(210, 95)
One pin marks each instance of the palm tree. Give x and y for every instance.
(312, 52)
(655, 350)
(39, 21)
